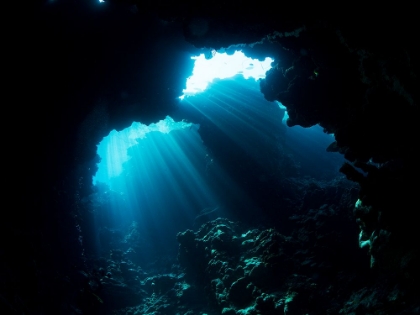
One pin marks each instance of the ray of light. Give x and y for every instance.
(222, 66)
(113, 148)
(162, 184)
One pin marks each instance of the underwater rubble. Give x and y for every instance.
(227, 267)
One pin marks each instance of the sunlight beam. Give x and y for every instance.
(113, 148)
(223, 66)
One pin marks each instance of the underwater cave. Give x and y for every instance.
(164, 178)
(203, 159)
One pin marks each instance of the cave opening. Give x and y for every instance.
(163, 177)
(220, 154)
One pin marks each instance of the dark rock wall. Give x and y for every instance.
(356, 76)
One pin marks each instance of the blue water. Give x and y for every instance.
(221, 154)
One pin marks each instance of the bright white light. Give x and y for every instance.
(223, 66)
(101, 1)
(286, 115)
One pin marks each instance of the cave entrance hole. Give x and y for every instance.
(224, 144)
(159, 179)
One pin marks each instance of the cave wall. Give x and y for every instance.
(355, 75)
(75, 77)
